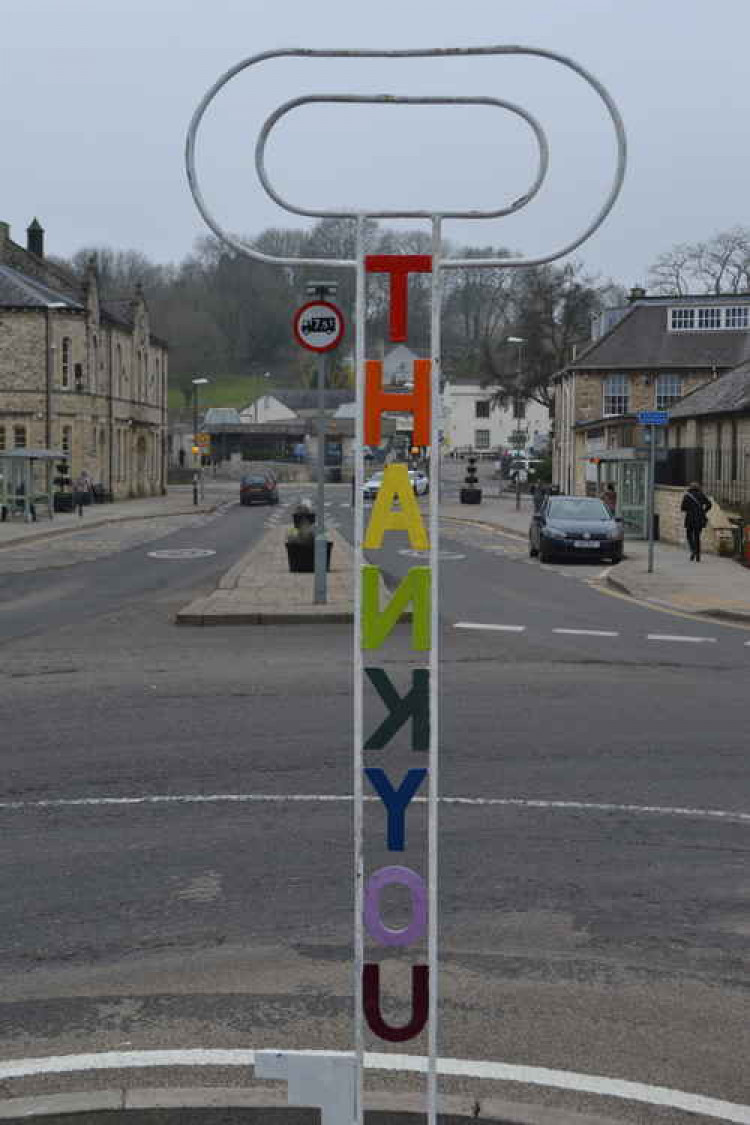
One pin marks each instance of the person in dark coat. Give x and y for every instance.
(695, 505)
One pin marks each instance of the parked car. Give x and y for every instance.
(259, 488)
(573, 526)
(419, 482)
(371, 487)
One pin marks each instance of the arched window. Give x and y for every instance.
(65, 369)
(119, 368)
(616, 398)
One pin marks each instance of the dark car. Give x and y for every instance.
(259, 488)
(575, 526)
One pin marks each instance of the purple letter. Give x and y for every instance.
(405, 877)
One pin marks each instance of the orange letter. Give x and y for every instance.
(417, 402)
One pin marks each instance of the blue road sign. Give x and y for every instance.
(652, 417)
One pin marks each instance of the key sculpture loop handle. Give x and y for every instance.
(243, 247)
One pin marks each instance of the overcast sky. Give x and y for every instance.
(95, 98)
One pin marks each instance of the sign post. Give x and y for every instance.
(652, 419)
(319, 327)
(413, 699)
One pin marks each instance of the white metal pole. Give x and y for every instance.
(321, 548)
(358, 756)
(650, 504)
(433, 790)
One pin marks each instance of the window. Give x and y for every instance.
(519, 407)
(482, 409)
(67, 439)
(78, 376)
(709, 318)
(682, 319)
(119, 369)
(65, 362)
(2, 439)
(736, 317)
(616, 400)
(19, 437)
(95, 363)
(668, 391)
(481, 439)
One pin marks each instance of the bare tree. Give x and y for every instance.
(718, 265)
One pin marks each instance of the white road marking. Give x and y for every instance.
(339, 798)
(182, 553)
(482, 1069)
(587, 632)
(497, 628)
(680, 637)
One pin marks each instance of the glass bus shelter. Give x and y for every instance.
(26, 483)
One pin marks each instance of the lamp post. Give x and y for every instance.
(198, 381)
(519, 341)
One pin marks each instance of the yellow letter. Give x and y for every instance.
(384, 517)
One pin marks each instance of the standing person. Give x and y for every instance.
(609, 496)
(695, 505)
(81, 492)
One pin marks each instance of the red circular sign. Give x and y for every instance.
(319, 326)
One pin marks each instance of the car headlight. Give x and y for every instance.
(553, 532)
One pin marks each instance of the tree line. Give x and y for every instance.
(225, 314)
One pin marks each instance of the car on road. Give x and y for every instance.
(260, 487)
(419, 482)
(371, 487)
(575, 526)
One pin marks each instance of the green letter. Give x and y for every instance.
(377, 623)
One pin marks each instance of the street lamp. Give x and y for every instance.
(198, 381)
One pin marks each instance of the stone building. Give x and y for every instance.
(646, 356)
(79, 373)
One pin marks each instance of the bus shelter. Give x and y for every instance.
(26, 482)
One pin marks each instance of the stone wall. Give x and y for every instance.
(667, 504)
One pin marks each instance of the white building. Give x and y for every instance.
(471, 422)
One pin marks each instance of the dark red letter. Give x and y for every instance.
(420, 991)
(399, 266)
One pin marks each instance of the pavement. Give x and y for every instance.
(716, 587)
(178, 501)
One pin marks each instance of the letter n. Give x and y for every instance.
(413, 590)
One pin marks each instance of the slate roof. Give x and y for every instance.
(728, 394)
(306, 398)
(222, 416)
(641, 339)
(17, 290)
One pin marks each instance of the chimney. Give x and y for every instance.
(35, 238)
(637, 293)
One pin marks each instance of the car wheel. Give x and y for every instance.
(617, 555)
(545, 555)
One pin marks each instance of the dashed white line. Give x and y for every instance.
(680, 637)
(587, 632)
(496, 628)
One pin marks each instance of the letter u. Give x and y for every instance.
(420, 992)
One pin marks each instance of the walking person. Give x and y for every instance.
(695, 505)
(81, 492)
(609, 496)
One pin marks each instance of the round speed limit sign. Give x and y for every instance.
(319, 326)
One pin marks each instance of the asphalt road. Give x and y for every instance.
(594, 893)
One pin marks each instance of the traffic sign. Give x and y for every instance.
(203, 439)
(318, 326)
(653, 417)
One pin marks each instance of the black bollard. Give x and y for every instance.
(471, 493)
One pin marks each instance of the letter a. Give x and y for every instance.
(377, 624)
(415, 705)
(420, 993)
(396, 486)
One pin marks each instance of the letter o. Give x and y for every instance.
(378, 881)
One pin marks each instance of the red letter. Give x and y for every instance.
(420, 990)
(399, 266)
(417, 402)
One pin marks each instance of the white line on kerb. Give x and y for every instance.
(343, 798)
(679, 637)
(587, 632)
(374, 1060)
(497, 628)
